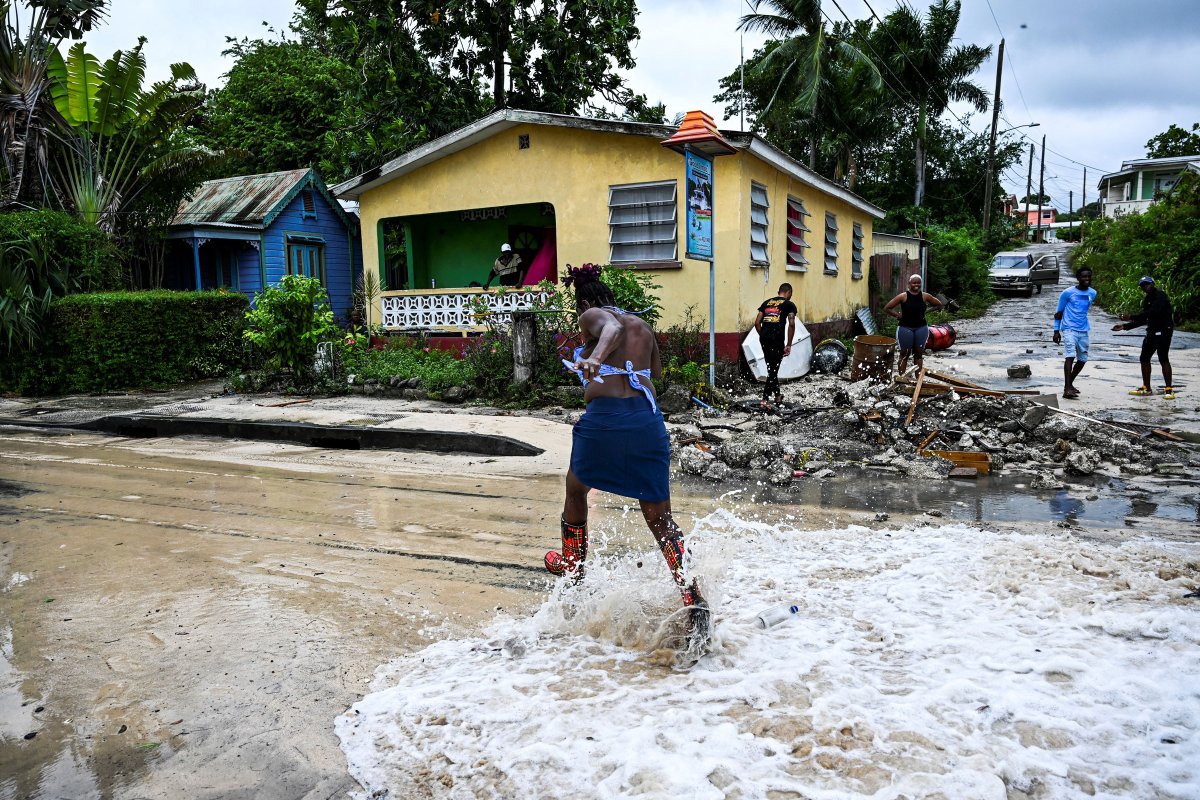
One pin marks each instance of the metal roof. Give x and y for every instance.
(504, 119)
(246, 200)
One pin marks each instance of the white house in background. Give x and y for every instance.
(1133, 188)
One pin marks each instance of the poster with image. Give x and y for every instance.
(699, 175)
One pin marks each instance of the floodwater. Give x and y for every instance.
(188, 618)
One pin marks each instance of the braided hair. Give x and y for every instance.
(585, 280)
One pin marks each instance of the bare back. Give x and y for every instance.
(618, 338)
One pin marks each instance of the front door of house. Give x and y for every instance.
(526, 242)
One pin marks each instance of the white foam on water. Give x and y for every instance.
(942, 662)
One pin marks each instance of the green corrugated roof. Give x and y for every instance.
(250, 200)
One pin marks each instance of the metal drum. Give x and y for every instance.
(940, 337)
(873, 358)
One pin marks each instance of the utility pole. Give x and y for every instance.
(1028, 189)
(1071, 195)
(987, 188)
(1041, 186)
(1083, 202)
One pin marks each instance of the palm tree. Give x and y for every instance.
(933, 70)
(802, 64)
(29, 33)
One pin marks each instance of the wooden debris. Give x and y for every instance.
(1164, 434)
(925, 442)
(982, 462)
(912, 407)
(961, 385)
(286, 403)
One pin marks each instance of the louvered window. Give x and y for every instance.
(760, 207)
(310, 207)
(641, 223)
(857, 254)
(831, 242)
(797, 226)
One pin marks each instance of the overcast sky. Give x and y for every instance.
(1099, 76)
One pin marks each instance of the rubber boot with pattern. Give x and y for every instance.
(574, 551)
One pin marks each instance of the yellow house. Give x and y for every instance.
(569, 190)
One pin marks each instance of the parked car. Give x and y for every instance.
(1014, 271)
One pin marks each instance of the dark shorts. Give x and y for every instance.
(912, 338)
(1156, 344)
(620, 445)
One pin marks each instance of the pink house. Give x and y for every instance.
(1030, 212)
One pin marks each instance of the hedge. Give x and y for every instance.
(82, 254)
(131, 340)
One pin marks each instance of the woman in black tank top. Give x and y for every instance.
(912, 332)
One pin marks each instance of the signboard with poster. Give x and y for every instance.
(699, 204)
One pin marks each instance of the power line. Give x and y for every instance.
(1011, 66)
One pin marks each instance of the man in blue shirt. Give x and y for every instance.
(1071, 328)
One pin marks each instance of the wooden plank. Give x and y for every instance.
(964, 458)
(960, 389)
(959, 382)
(956, 381)
(286, 403)
(912, 407)
(1163, 434)
(925, 442)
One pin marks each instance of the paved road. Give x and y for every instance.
(1018, 330)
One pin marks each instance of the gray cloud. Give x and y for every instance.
(1101, 76)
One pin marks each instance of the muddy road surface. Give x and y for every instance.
(174, 627)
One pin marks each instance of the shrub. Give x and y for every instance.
(409, 358)
(131, 340)
(82, 254)
(1164, 242)
(288, 321)
(958, 266)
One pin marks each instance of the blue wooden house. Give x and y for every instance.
(245, 233)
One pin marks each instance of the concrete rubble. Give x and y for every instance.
(831, 427)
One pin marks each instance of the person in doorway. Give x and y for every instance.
(506, 269)
(620, 444)
(1071, 328)
(1159, 320)
(912, 332)
(776, 325)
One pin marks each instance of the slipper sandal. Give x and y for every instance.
(1071, 395)
(1142, 391)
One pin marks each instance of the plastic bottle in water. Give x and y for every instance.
(773, 616)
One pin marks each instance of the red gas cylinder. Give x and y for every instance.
(940, 337)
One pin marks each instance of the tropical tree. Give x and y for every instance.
(1174, 142)
(30, 32)
(403, 83)
(285, 105)
(120, 136)
(812, 69)
(933, 70)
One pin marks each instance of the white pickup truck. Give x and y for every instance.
(1014, 271)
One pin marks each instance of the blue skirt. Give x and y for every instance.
(621, 445)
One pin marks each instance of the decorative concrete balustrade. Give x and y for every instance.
(453, 309)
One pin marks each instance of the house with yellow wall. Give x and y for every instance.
(569, 190)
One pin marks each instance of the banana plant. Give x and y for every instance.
(121, 136)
